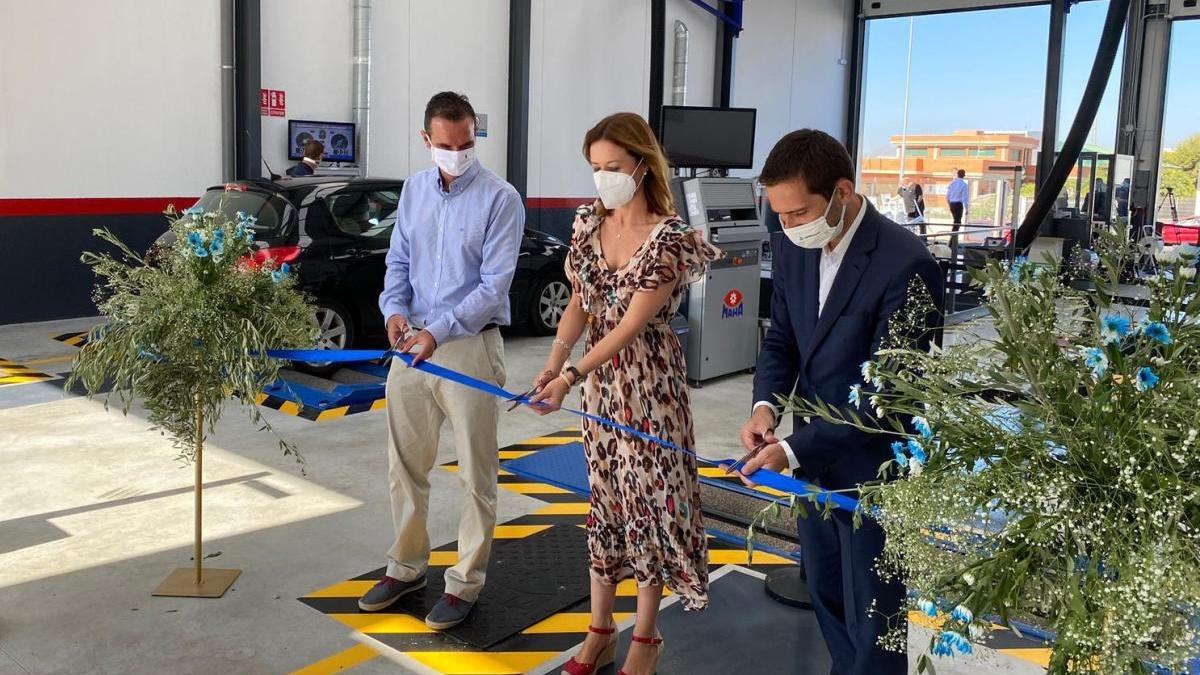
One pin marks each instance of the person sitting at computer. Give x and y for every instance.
(314, 152)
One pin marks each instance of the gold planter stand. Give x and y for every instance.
(197, 582)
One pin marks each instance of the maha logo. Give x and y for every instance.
(735, 305)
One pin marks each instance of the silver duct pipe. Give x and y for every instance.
(228, 135)
(361, 94)
(679, 77)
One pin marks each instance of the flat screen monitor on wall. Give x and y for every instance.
(708, 138)
(338, 138)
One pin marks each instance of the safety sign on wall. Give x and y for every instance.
(272, 102)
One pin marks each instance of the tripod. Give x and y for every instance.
(1168, 200)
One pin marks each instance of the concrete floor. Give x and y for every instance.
(96, 511)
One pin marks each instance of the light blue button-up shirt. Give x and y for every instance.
(453, 254)
(957, 191)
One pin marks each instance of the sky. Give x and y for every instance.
(987, 70)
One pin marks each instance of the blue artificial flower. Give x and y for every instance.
(1157, 331)
(942, 648)
(241, 216)
(217, 247)
(867, 370)
(277, 276)
(917, 452)
(856, 395)
(286, 269)
(195, 239)
(1113, 328)
(962, 614)
(200, 252)
(928, 607)
(1146, 379)
(898, 451)
(1097, 360)
(922, 426)
(1018, 265)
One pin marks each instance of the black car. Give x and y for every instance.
(335, 233)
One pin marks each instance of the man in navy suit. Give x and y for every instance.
(840, 271)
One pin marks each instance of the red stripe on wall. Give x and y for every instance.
(92, 206)
(557, 202)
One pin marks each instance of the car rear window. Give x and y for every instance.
(267, 208)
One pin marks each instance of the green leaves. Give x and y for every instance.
(184, 325)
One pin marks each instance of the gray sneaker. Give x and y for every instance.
(385, 593)
(448, 612)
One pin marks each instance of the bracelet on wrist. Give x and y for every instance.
(571, 375)
(559, 342)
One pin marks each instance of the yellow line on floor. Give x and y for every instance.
(346, 589)
(289, 408)
(738, 557)
(518, 531)
(443, 558)
(382, 623)
(568, 622)
(550, 440)
(515, 454)
(473, 663)
(1038, 655)
(563, 509)
(333, 414)
(454, 469)
(533, 488)
(345, 660)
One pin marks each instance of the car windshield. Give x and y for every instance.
(267, 208)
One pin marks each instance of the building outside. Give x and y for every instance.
(931, 160)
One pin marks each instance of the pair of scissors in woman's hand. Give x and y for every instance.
(746, 458)
(389, 354)
(520, 399)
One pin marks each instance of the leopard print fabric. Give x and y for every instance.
(645, 514)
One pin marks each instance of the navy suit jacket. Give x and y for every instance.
(823, 357)
(300, 170)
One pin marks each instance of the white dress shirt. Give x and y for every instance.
(831, 262)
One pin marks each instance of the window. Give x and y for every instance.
(370, 214)
(1179, 164)
(957, 100)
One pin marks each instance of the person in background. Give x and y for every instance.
(958, 197)
(630, 260)
(1122, 195)
(451, 262)
(314, 152)
(841, 270)
(914, 204)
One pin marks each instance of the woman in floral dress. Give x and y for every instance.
(630, 260)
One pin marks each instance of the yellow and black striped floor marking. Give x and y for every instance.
(546, 641)
(315, 414)
(75, 339)
(533, 647)
(15, 373)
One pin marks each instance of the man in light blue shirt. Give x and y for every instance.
(452, 259)
(957, 195)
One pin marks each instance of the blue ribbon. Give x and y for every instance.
(763, 477)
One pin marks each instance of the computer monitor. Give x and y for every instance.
(338, 138)
(708, 138)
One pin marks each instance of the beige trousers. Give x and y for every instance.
(417, 405)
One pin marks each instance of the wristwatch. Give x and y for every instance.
(576, 376)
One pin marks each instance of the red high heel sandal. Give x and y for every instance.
(607, 655)
(654, 642)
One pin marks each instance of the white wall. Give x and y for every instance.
(314, 70)
(418, 48)
(788, 66)
(115, 98)
(587, 59)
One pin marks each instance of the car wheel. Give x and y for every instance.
(550, 298)
(335, 332)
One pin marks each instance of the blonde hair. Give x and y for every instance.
(632, 132)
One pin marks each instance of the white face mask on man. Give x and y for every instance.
(817, 233)
(453, 162)
(616, 188)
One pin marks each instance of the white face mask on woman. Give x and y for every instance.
(616, 188)
(817, 233)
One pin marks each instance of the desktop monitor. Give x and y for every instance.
(708, 138)
(338, 138)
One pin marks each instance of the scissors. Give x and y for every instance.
(519, 399)
(745, 458)
(387, 356)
